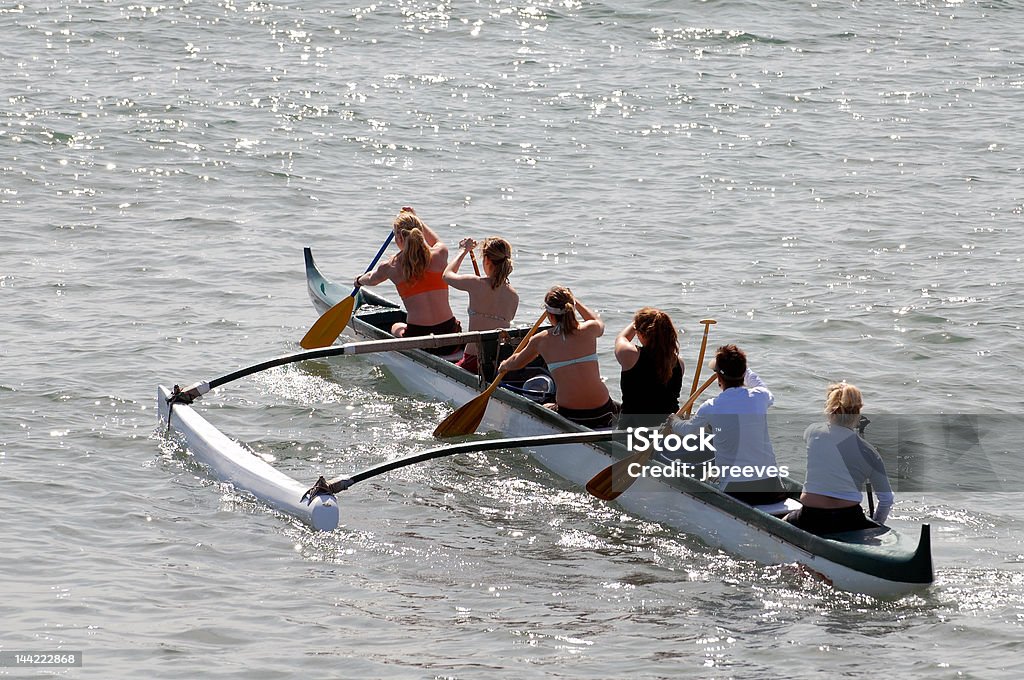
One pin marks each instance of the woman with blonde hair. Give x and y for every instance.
(492, 299)
(418, 273)
(652, 374)
(570, 350)
(839, 461)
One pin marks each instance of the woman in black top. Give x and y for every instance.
(652, 374)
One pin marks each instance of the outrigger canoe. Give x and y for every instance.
(882, 562)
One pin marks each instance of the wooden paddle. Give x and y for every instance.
(476, 270)
(700, 359)
(344, 482)
(332, 322)
(466, 418)
(609, 483)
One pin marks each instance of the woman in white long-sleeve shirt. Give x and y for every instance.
(839, 461)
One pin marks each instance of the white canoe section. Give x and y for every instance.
(231, 462)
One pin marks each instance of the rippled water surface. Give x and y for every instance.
(837, 183)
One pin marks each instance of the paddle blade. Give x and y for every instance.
(465, 419)
(330, 325)
(609, 483)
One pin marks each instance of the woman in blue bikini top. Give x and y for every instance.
(570, 350)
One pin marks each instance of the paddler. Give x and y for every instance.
(839, 461)
(652, 374)
(418, 273)
(492, 299)
(570, 350)
(738, 418)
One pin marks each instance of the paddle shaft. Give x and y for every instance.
(609, 483)
(684, 410)
(700, 359)
(376, 259)
(331, 323)
(862, 425)
(519, 348)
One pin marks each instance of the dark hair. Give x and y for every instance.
(560, 298)
(659, 335)
(731, 365)
(499, 252)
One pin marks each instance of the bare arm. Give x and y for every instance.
(590, 318)
(377, 276)
(524, 356)
(626, 353)
(451, 275)
(430, 236)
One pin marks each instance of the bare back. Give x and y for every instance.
(430, 307)
(489, 308)
(579, 385)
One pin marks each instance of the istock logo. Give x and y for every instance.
(643, 438)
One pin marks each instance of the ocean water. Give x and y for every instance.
(838, 184)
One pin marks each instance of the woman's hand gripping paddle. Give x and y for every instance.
(332, 322)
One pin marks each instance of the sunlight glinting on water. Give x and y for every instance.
(836, 183)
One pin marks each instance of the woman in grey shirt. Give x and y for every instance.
(839, 461)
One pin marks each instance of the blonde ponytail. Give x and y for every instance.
(415, 251)
(843, 404)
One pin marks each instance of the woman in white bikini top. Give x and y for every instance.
(492, 299)
(570, 350)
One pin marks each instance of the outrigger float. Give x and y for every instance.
(882, 562)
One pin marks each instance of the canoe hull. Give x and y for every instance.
(886, 564)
